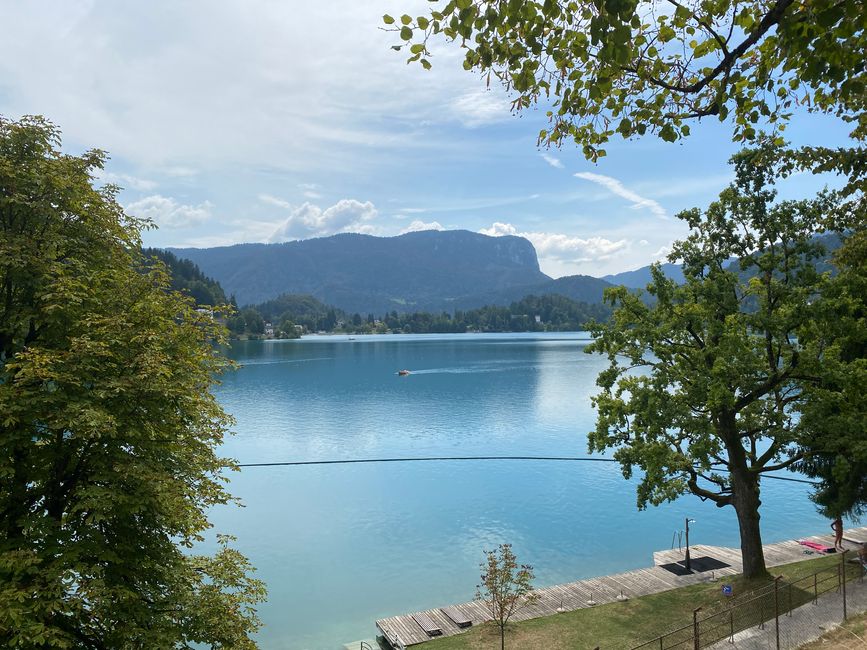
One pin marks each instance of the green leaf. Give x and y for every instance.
(405, 33)
(388, 20)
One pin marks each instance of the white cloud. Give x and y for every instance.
(269, 199)
(499, 229)
(179, 171)
(418, 225)
(309, 190)
(126, 181)
(165, 211)
(551, 160)
(480, 108)
(662, 253)
(616, 187)
(308, 220)
(565, 248)
(163, 92)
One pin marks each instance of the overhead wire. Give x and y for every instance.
(419, 459)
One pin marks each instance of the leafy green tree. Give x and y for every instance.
(108, 429)
(506, 586)
(253, 321)
(186, 276)
(835, 413)
(287, 329)
(632, 67)
(236, 324)
(705, 383)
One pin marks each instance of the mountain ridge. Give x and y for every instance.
(427, 270)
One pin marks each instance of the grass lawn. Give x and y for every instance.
(620, 625)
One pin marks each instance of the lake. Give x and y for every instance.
(343, 545)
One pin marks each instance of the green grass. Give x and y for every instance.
(626, 624)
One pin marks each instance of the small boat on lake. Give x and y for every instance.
(403, 373)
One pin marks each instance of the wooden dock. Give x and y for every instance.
(404, 631)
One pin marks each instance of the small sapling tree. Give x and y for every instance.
(505, 586)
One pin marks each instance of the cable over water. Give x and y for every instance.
(420, 459)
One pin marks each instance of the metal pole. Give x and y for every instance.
(777, 610)
(688, 567)
(732, 626)
(843, 574)
(695, 639)
(761, 613)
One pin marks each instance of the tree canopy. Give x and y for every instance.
(835, 413)
(506, 587)
(108, 429)
(636, 67)
(187, 277)
(706, 382)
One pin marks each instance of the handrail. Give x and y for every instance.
(822, 581)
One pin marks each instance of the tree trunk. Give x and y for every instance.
(503, 637)
(745, 498)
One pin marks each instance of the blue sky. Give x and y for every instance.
(257, 120)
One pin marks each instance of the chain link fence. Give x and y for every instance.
(768, 612)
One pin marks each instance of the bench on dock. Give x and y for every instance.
(457, 616)
(424, 621)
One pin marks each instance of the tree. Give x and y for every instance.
(835, 415)
(704, 384)
(253, 321)
(505, 586)
(108, 429)
(632, 67)
(287, 328)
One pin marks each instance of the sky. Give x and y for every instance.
(275, 120)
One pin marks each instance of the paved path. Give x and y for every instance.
(403, 631)
(807, 623)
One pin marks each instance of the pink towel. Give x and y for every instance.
(816, 546)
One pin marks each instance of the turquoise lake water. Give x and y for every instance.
(343, 545)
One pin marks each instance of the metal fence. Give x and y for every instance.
(760, 608)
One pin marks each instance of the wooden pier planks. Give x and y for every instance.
(605, 589)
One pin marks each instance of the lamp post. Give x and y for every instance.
(688, 522)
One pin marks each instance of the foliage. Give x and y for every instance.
(704, 385)
(287, 329)
(108, 429)
(632, 67)
(556, 313)
(188, 278)
(253, 321)
(835, 413)
(301, 309)
(506, 587)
